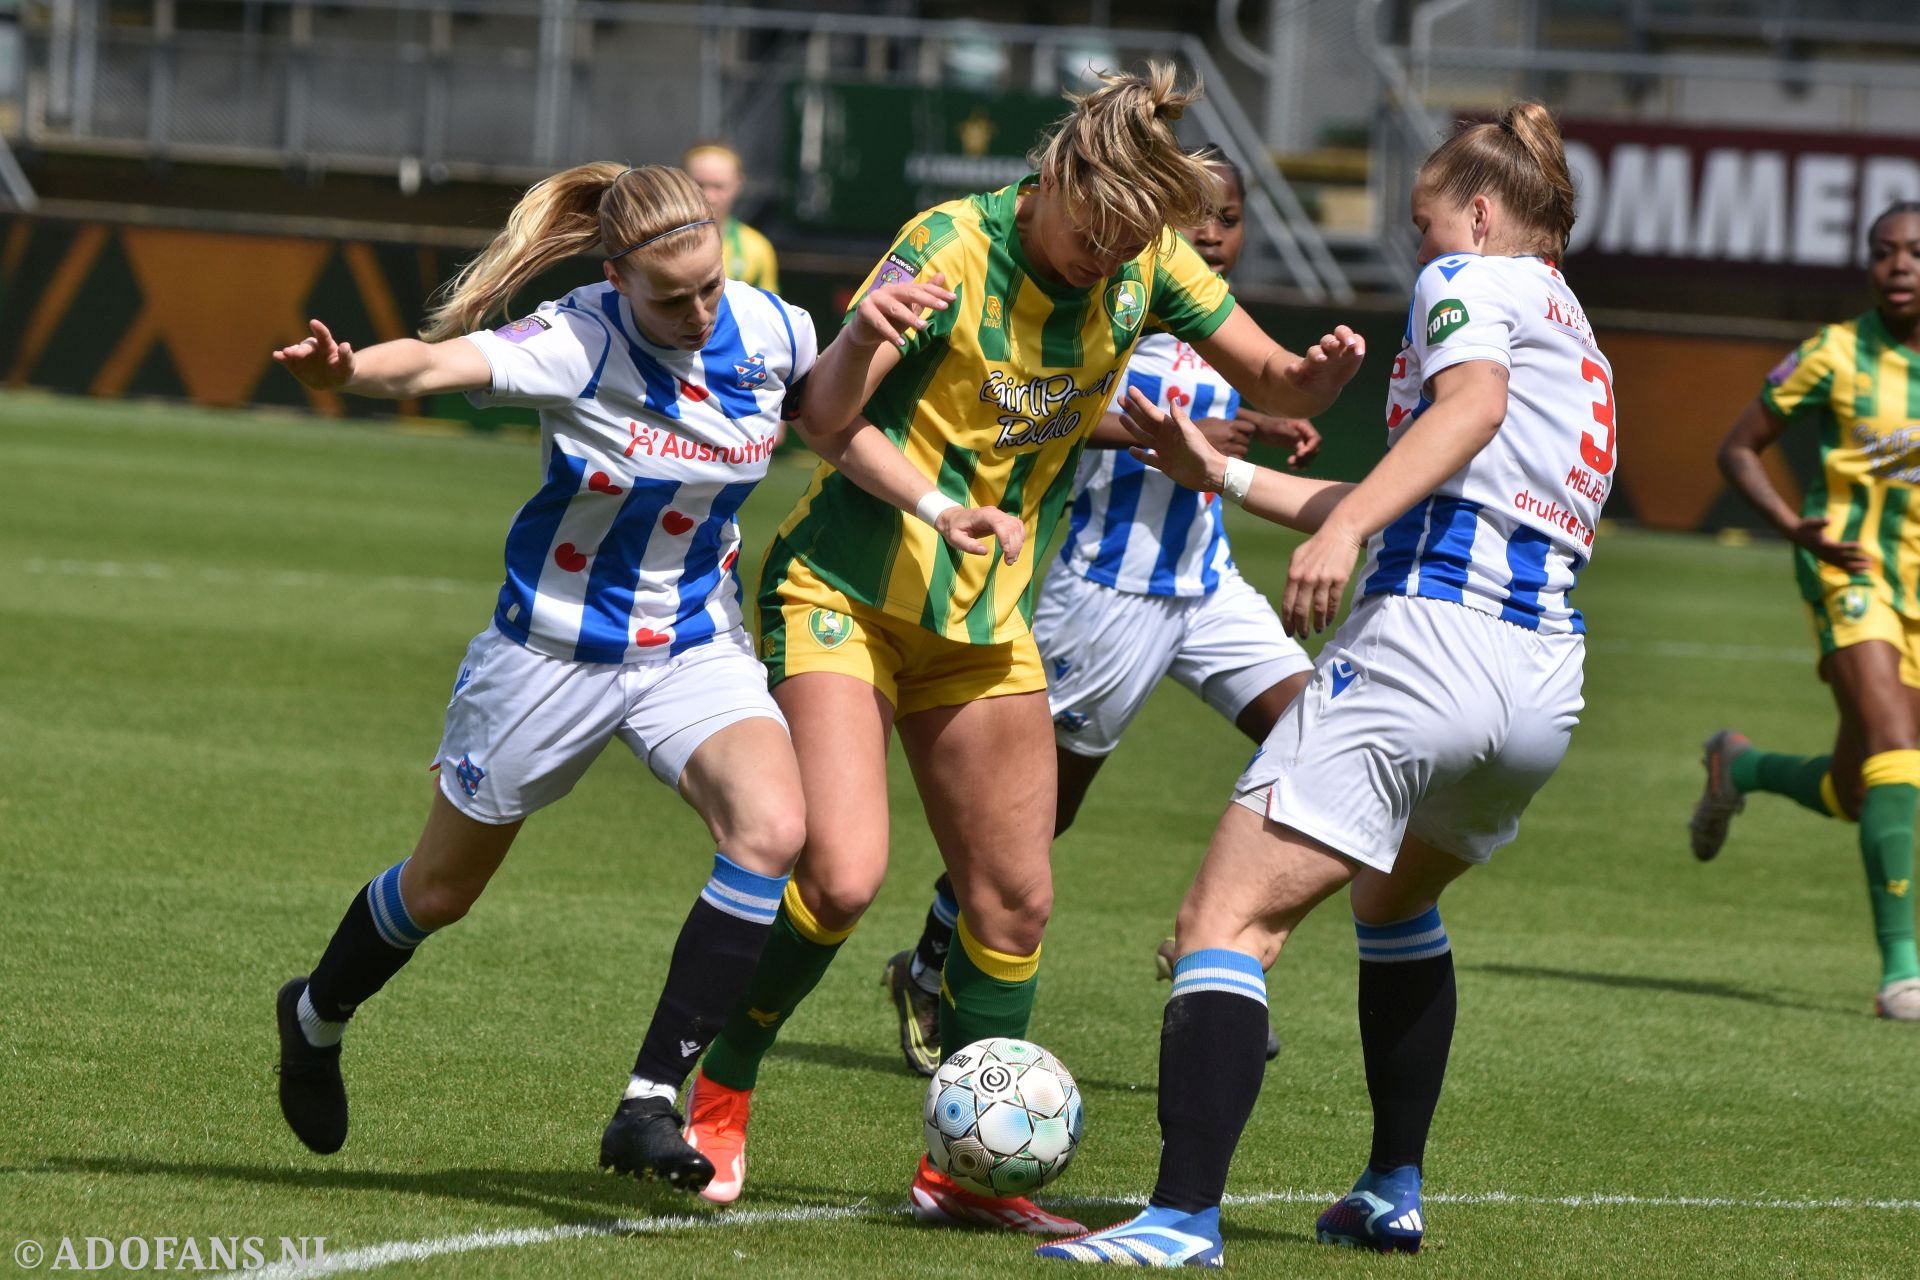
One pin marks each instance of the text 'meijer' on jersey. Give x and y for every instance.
(626, 553)
(1510, 531)
(1131, 527)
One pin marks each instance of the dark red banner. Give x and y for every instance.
(1708, 195)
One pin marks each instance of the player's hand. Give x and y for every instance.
(1300, 438)
(1328, 364)
(1172, 443)
(1811, 533)
(1231, 436)
(318, 361)
(967, 529)
(890, 314)
(1317, 579)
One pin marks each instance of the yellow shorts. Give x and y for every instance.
(1848, 613)
(806, 625)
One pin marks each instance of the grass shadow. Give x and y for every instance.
(1640, 982)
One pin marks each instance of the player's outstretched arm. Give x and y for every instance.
(394, 370)
(1753, 432)
(1469, 404)
(1177, 445)
(1295, 386)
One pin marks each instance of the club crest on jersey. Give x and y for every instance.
(1126, 303)
(520, 330)
(469, 775)
(1444, 320)
(829, 629)
(1853, 603)
(752, 373)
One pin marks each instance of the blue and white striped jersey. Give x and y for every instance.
(626, 553)
(1510, 531)
(1130, 527)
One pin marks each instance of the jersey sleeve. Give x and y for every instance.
(1460, 313)
(932, 242)
(806, 349)
(1803, 381)
(1188, 299)
(544, 359)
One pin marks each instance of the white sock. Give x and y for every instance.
(319, 1033)
(641, 1087)
(922, 976)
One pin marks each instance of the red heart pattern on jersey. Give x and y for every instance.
(728, 562)
(647, 637)
(691, 392)
(569, 557)
(675, 523)
(601, 482)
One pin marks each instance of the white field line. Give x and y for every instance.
(373, 1257)
(152, 571)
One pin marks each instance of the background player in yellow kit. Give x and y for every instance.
(1856, 555)
(716, 170)
(869, 619)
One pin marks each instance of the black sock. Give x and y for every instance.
(936, 935)
(374, 940)
(718, 948)
(1213, 1051)
(1406, 1028)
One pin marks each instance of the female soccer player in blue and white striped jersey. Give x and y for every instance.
(1145, 588)
(660, 390)
(1436, 712)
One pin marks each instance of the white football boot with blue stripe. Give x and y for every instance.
(1381, 1212)
(1155, 1238)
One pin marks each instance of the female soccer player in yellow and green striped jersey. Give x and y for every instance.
(871, 619)
(1857, 556)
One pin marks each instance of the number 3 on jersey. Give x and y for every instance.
(1597, 455)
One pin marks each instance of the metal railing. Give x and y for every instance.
(511, 90)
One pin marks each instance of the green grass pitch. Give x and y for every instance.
(225, 646)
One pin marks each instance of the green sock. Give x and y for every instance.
(984, 993)
(1886, 846)
(1796, 777)
(790, 967)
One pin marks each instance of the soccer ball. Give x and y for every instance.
(1003, 1117)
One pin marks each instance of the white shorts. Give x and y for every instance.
(523, 727)
(1106, 649)
(1423, 716)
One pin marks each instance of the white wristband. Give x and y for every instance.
(1238, 479)
(928, 509)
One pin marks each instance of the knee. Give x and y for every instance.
(769, 843)
(838, 900)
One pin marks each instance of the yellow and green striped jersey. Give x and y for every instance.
(1862, 389)
(749, 256)
(992, 402)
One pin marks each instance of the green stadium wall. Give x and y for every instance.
(98, 308)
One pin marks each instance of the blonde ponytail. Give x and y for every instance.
(621, 212)
(1118, 165)
(1521, 158)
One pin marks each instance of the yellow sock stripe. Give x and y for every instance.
(805, 924)
(1890, 768)
(998, 965)
(1830, 797)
